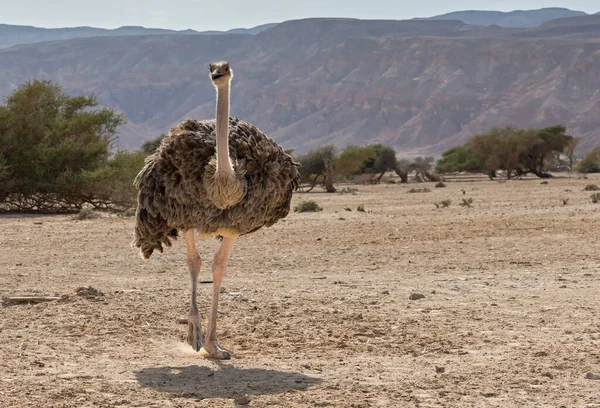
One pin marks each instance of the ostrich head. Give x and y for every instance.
(220, 73)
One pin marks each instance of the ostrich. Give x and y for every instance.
(220, 177)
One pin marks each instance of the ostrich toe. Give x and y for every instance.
(194, 337)
(215, 352)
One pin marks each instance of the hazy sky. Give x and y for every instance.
(225, 14)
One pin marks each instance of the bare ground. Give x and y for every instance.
(510, 317)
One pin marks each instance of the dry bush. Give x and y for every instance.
(440, 185)
(361, 208)
(564, 201)
(419, 190)
(466, 202)
(595, 198)
(591, 187)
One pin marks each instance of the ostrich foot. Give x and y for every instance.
(212, 350)
(194, 337)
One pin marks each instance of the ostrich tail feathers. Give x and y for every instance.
(151, 232)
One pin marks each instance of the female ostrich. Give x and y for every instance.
(220, 177)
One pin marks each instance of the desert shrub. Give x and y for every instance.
(361, 208)
(595, 198)
(564, 201)
(466, 202)
(419, 190)
(440, 184)
(544, 182)
(590, 162)
(50, 141)
(307, 206)
(111, 185)
(460, 158)
(591, 187)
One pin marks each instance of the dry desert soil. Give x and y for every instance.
(510, 315)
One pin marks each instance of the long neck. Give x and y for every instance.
(224, 166)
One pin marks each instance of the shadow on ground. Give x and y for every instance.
(227, 382)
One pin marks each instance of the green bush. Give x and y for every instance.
(591, 187)
(50, 143)
(307, 206)
(111, 185)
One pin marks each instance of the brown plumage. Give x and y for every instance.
(178, 180)
(222, 177)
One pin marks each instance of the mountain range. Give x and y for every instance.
(421, 86)
(13, 34)
(514, 19)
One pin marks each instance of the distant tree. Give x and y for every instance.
(375, 159)
(590, 162)
(385, 160)
(150, 146)
(48, 141)
(522, 151)
(403, 169)
(569, 151)
(354, 160)
(462, 158)
(423, 166)
(319, 163)
(543, 145)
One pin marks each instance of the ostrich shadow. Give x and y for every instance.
(228, 382)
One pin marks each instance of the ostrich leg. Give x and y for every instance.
(211, 349)
(194, 261)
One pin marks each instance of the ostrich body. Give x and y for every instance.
(220, 177)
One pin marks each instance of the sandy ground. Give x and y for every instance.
(510, 315)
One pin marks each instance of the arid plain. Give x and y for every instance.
(317, 309)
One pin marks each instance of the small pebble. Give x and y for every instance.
(243, 400)
(592, 376)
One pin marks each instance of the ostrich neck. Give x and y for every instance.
(224, 166)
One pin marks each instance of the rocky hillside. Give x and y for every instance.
(515, 19)
(417, 85)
